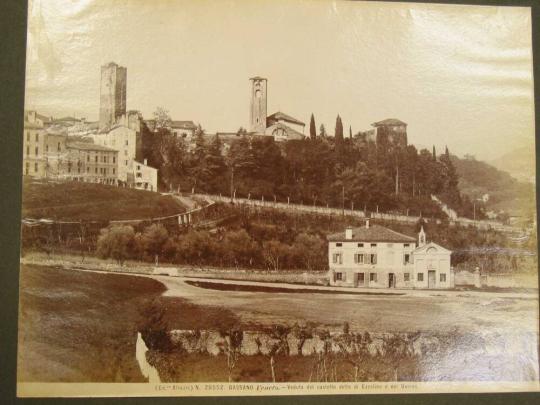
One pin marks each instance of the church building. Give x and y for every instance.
(281, 126)
(373, 256)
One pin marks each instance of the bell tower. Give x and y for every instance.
(257, 114)
(421, 237)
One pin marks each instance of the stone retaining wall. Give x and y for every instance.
(302, 344)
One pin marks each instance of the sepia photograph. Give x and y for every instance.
(288, 197)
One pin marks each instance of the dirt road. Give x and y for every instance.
(431, 311)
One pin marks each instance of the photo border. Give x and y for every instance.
(13, 21)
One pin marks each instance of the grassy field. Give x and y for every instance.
(81, 326)
(93, 202)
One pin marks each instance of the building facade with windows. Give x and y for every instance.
(34, 149)
(377, 257)
(127, 142)
(54, 156)
(89, 162)
(145, 176)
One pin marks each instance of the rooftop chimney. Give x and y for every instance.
(367, 223)
(348, 233)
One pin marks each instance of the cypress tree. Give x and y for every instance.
(322, 131)
(312, 130)
(350, 132)
(434, 153)
(338, 138)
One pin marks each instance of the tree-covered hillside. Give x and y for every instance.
(338, 171)
(478, 179)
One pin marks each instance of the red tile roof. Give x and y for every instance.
(183, 124)
(89, 146)
(375, 233)
(388, 121)
(277, 116)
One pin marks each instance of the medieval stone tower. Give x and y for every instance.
(257, 121)
(112, 102)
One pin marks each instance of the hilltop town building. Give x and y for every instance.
(183, 129)
(279, 125)
(34, 158)
(126, 138)
(55, 156)
(377, 257)
(123, 131)
(112, 102)
(390, 131)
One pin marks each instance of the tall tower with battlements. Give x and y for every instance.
(112, 100)
(257, 116)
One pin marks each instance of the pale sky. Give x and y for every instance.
(458, 75)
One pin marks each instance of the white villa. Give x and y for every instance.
(378, 257)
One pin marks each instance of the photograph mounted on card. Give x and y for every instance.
(277, 198)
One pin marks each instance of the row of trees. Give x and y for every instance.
(322, 170)
(232, 248)
(278, 242)
(268, 239)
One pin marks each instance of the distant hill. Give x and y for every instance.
(477, 179)
(520, 163)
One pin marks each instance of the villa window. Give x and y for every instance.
(372, 259)
(126, 142)
(28, 150)
(406, 245)
(373, 277)
(35, 167)
(113, 171)
(337, 258)
(339, 276)
(96, 159)
(114, 159)
(420, 277)
(373, 245)
(88, 158)
(58, 147)
(47, 148)
(37, 150)
(406, 258)
(359, 258)
(361, 245)
(339, 244)
(442, 277)
(37, 137)
(361, 278)
(406, 277)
